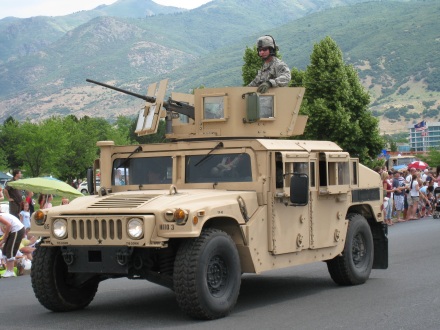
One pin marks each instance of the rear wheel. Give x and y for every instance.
(56, 288)
(207, 275)
(354, 265)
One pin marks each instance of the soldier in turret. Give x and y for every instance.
(274, 72)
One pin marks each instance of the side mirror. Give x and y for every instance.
(299, 189)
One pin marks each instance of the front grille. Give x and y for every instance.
(126, 202)
(96, 229)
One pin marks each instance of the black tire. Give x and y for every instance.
(84, 191)
(54, 287)
(354, 265)
(207, 275)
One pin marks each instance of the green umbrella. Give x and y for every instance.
(45, 186)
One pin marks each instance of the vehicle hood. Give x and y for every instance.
(156, 201)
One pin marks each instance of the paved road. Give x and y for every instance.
(406, 296)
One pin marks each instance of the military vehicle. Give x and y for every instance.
(231, 193)
(398, 162)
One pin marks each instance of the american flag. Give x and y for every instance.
(420, 126)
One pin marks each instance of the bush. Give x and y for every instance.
(402, 90)
(428, 104)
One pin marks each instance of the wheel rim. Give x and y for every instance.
(359, 251)
(217, 276)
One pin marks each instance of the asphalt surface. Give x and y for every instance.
(405, 296)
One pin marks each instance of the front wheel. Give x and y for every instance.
(354, 265)
(56, 288)
(207, 275)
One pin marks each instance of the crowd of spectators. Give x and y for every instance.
(16, 243)
(409, 194)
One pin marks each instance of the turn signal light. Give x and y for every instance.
(180, 216)
(39, 217)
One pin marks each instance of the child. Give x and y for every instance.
(49, 201)
(29, 195)
(25, 215)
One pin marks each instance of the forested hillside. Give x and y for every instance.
(394, 45)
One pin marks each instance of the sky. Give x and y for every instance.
(29, 8)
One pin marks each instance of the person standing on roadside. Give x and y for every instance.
(25, 215)
(399, 196)
(413, 198)
(13, 233)
(387, 202)
(14, 195)
(30, 201)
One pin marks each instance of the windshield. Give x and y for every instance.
(405, 161)
(136, 171)
(218, 168)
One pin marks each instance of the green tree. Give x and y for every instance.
(337, 104)
(158, 137)
(124, 126)
(432, 158)
(391, 142)
(10, 138)
(3, 160)
(252, 63)
(41, 144)
(78, 150)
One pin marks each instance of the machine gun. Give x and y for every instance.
(170, 105)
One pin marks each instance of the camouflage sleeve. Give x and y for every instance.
(283, 75)
(257, 80)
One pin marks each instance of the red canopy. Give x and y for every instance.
(418, 164)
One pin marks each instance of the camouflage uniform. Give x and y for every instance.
(276, 72)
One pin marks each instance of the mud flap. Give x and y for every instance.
(380, 239)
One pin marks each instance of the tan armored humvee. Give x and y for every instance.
(231, 194)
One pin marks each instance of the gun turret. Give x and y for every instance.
(170, 105)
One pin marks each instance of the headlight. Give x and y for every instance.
(39, 217)
(135, 228)
(169, 215)
(59, 228)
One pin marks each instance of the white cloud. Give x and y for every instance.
(29, 8)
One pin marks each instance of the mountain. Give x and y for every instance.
(393, 44)
(22, 37)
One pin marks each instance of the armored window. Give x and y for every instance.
(214, 108)
(297, 168)
(338, 173)
(312, 174)
(142, 171)
(292, 162)
(267, 106)
(354, 172)
(334, 172)
(218, 168)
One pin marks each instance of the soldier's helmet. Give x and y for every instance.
(267, 41)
